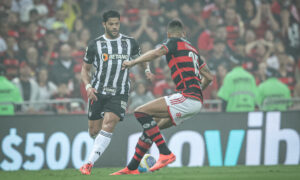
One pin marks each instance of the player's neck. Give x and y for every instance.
(107, 36)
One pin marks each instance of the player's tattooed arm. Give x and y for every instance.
(148, 56)
(207, 77)
(85, 73)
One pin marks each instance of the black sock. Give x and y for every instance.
(152, 130)
(142, 146)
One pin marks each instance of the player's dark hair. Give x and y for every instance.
(110, 14)
(175, 25)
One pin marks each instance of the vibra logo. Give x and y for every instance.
(262, 145)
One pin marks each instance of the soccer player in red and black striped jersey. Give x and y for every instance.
(191, 76)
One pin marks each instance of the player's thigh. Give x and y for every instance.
(164, 123)
(114, 111)
(95, 115)
(156, 108)
(96, 108)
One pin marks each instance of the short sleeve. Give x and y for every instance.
(170, 45)
(90, 53)
(135, 50)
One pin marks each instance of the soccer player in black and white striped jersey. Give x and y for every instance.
(109, 86)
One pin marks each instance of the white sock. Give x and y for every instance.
(100, 144)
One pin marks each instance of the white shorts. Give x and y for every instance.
(181, 108)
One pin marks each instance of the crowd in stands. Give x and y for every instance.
(42, 42)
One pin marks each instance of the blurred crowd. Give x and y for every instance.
(42, 43)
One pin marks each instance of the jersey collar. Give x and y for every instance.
(120, 35)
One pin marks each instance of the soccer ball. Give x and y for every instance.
(146, 163)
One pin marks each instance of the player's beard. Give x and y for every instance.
(113, 34)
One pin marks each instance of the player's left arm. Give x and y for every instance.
(207, 77)
(148, 56)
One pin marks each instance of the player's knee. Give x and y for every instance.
(108, 126)
(93, 132)
(140, 109)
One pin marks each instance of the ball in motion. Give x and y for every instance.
(146, 163)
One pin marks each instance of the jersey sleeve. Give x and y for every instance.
(170, 45)
(90, 53)
(135, 50)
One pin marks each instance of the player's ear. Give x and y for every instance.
(168, 35)
(183, 34)
(103, 24)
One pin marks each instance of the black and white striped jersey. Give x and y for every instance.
(107, 56)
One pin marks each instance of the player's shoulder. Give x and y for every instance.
(93, 43)
(125, 37)
(173, 39)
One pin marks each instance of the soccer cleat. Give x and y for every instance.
(126, 171)
(86, 169)
(163, 160)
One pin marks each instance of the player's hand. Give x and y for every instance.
(150, 76)
(91, 94)
(127, 64)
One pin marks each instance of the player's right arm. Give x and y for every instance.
(86, 71)
(207, 77)
(85, 75)
(148, 56)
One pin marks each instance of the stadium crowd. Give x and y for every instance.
(42, 43)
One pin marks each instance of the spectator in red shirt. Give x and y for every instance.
(11, 58)
(234, 26)
(217, 56)
(264, 19)
(206, 38)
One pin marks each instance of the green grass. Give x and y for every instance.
(187, 173)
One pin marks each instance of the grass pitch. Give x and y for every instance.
(186, 173)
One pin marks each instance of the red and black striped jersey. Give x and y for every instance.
(185, 64)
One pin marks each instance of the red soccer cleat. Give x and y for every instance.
(163, 160)
(126, 171)
(86, 169)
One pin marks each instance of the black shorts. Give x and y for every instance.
(107, 103)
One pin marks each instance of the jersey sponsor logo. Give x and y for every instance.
(105, 56)
(109, 90)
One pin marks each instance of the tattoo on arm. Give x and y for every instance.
(207, 77)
